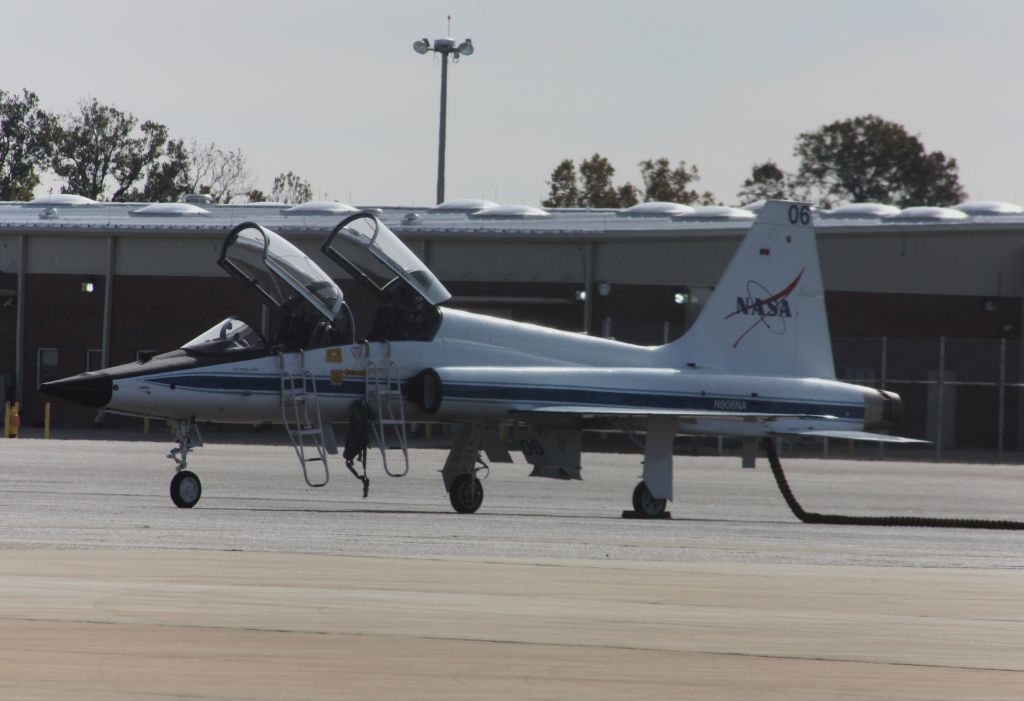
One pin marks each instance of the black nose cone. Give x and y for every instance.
(88, 389)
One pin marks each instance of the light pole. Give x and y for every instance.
(444, 47)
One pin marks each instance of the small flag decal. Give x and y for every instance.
(766, 251)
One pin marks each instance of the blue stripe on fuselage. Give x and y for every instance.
(534, 394)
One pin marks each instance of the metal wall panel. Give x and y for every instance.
(168, 255)
(80, 255)
(524, 261)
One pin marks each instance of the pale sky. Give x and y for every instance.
(334, 92)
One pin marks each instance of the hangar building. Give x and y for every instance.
(925, 301)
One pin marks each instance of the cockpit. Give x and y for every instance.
(308, 308)
(229, 336)
(408, 292)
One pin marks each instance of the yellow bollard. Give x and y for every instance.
(15, 421)
(46, 420)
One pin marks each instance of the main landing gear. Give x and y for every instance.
(462, 470)
(654, 491)
(185, 485)
(466, 493)
(645, 505)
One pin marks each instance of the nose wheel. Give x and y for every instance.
(185, 485)
(185, 489)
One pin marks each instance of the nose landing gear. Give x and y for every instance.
(185, 489)
(185, 485)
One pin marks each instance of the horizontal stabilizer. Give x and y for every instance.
(857, 436)
(683, 414)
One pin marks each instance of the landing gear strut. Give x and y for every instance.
(185, 485)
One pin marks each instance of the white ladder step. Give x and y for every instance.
(384, 396)
(300, 414)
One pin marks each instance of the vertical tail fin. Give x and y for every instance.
(767, 315)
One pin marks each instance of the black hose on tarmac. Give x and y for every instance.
(841, 520)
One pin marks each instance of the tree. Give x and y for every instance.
(132, 158)
(628, 195)
(25, 144)
(869, 159)
(255, 195)
(220, 173)
(564, 190)
(662, 183)
(596, 189)
(100, 143)
(289, 188)
(768, 182)
(167, 178)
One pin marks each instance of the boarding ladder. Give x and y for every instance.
(300, 414)
(384, 397)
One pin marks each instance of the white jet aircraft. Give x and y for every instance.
(757, 363)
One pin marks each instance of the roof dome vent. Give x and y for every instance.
(862, 210)
(62, 200)
(319, 207)
(928, 214)
(169, 209)
(988, 208)
(468, 206)
(510, 211)
(656, 209)
(716, 213)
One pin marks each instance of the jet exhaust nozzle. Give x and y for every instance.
(882, 410)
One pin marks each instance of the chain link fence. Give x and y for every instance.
(962, 394)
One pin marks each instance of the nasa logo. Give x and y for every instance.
(770, 310)
(756, 305)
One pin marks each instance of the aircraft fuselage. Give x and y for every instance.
(488, 370)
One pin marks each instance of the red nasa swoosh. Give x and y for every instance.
(778, 296)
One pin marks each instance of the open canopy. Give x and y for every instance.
(372, 254)
(278, 272)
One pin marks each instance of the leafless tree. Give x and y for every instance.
(220, 173)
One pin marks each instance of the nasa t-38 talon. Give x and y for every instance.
(756, 363)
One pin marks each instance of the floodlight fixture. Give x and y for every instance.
(445, 47)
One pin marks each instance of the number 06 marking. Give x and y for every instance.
(799, 215)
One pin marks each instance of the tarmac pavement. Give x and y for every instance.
(270, 590)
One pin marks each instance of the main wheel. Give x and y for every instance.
(466, 494)
(645, 504)
(185, 489)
